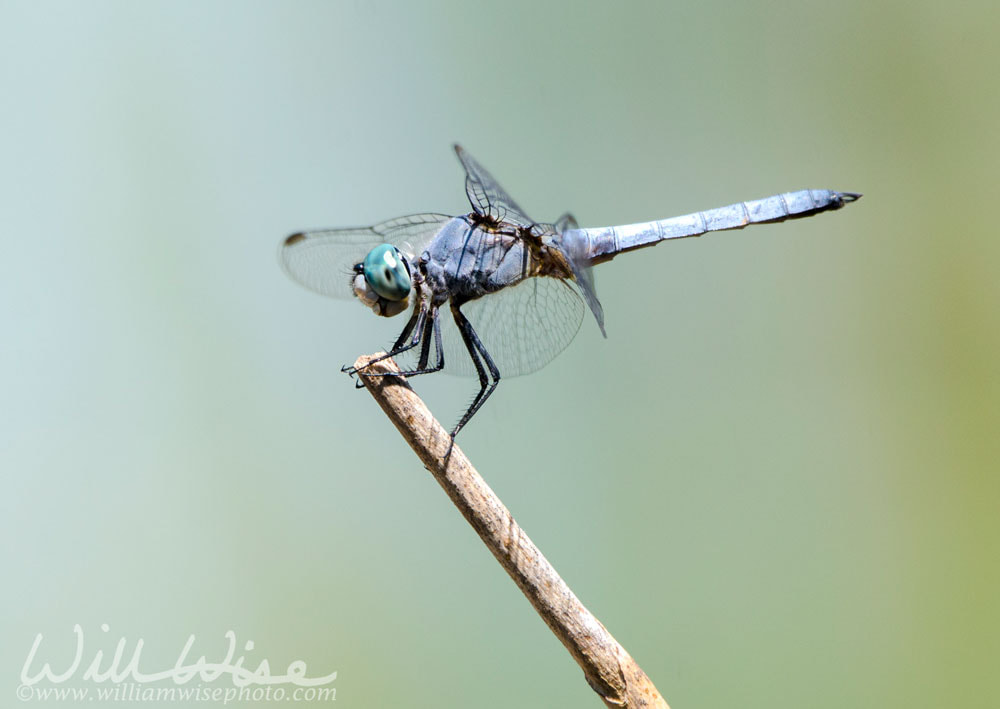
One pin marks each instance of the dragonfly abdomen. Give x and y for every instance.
(608, 242)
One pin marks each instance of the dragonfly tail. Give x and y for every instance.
(607, 242)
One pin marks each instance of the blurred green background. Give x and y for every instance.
(776, 482)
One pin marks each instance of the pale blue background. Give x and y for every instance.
(776, 482)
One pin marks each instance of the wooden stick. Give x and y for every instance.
(608, 669)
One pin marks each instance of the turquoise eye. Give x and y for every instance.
(386, 272)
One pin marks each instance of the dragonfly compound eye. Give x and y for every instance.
(387, 273)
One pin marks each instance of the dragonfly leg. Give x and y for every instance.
(432, 331)
(415, 325)
(425, 348)
(476, 350)
(410, 324)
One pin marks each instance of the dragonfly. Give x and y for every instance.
(493, 292)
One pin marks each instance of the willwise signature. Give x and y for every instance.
(117, 669)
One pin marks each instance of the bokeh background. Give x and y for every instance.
(776, 482)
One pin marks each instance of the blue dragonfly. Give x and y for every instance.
(493, 292)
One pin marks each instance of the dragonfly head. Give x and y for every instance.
(382, 281)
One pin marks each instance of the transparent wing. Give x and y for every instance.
(323, 260)
(523, 327)
(566, 221)
(488, 198)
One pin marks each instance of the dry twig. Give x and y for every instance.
(610, 671)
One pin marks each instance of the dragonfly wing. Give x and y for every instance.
(487, 197)
(566, 221)
(575, 247)
(323, 260)
(523, 327)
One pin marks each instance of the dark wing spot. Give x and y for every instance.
(294, 239)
